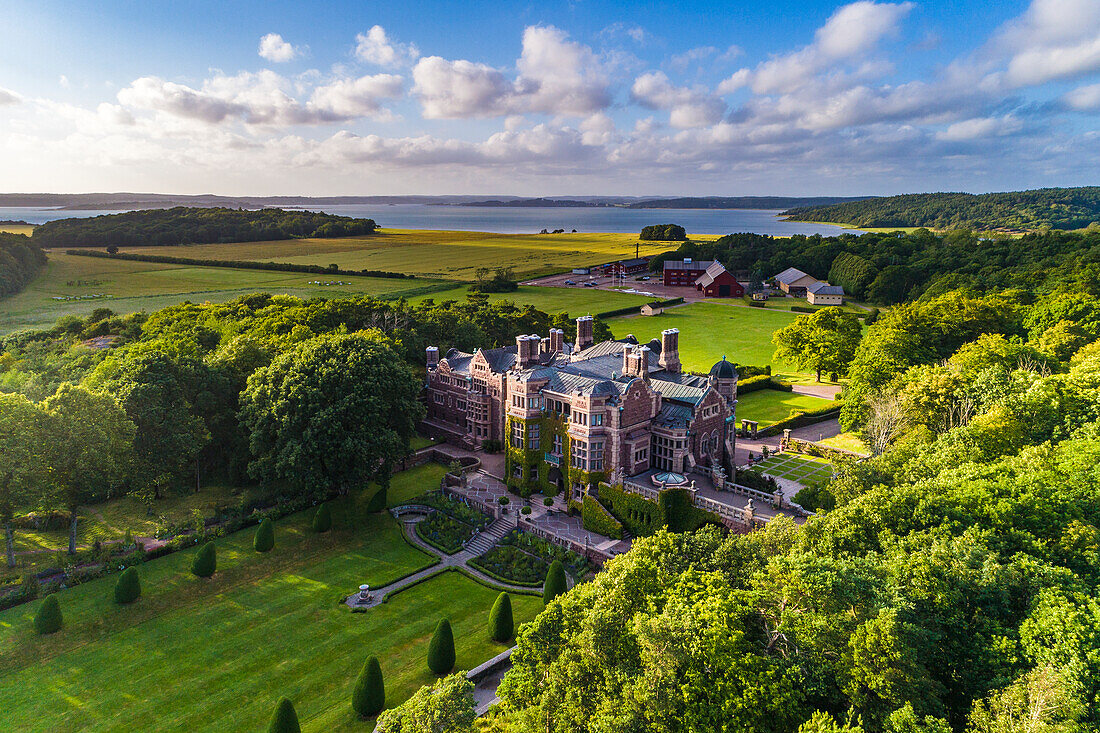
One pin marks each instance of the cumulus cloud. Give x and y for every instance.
(555, 76)
(7, 96)
(275, 49)
(1054, 39)
(979, 128)
(375, 47)
(687, 107)
(1083, 99)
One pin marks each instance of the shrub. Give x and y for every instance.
(322, 520)
(368, 698)
(264, 540)
(48, 620)
(441, 650)
(555, 583)
(284, 719)
(548, 501)
(128, 540)
(444, 532)
(596, 518)
(378, 501)
(491, 446)
(503, 501)
(206, 561)
(501, 625)
(128, 586)
(525, 510)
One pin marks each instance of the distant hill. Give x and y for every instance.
(683, 202)
(1057, 208)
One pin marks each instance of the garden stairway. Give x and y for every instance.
(487, 538)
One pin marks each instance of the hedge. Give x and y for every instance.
(801, 418)
(752, 384)
(128, 586)
(482, 582)
(501, 624)
(48, 619)
(206, 561)
(441, 649)
(596, 518)
(284, 719)
(264, 541)
(641, 517)
(633, 310)
(368, 698)
(555, 584)
(240, 264)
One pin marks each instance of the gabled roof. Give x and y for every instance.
(693, 265)
(790, 275)
(500, 359)
(712, 272)
(824, 288)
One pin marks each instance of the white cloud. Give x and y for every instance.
(687, 107)
(1083, 99)
(738, 80)
(980, 128)
(275, 49)
(1054, 39)
(351, 98)
(555, 76)
(7, 96)
(682, 61)
(375, 47)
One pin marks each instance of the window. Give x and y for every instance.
(517, 435)
(580, 455)
(595, 456)
(557, 445)
(438, 399)
(597, 419)
(641, 455)
(460, 405)
(533, 403)
(533, 437)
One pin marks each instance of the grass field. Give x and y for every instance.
(17, 228)
(710, 330)
(767, 406)
(443, 254)
(216, 654)
(798, 468)
(847, 441)
(575, 301)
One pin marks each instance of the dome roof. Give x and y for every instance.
(723, 370)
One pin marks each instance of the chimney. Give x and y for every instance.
(527, 351)
(643, 363)
(432, 355)
(557, 340)
(584, 333)
(544, 345)
(670, 350)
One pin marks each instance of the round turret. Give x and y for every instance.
(723, 370)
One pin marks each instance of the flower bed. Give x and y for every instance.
(444, 532)
(511, 564)
(575, 564)
(456, 509)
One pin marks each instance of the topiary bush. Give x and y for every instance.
(322, 520)
(548, 501)
(206, 561)
(378, 501)
(128, 586)
(284, 719)
(501, 624)
(525, 510)
(441, 650)
(368, 698)
(555, 583)
(264, 540)
(48, 619)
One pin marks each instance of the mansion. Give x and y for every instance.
(571, 415)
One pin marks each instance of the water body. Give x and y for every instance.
(508, 220)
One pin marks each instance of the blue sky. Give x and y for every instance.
(549, 98)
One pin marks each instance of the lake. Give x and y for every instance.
(508, 220)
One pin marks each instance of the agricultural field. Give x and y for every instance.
(148, 286)
(17, 228)
(427, 253)
(767, 406)
(710, 330)
(215, 654)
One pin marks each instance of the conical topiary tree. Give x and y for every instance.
(284, 719)
(501, 625)
(128, 586)
(441, 650)
(265, 536)
(377, 502)
(206, 561)
(368, 698)
(322, 520)
(48, 619)
(555, 583)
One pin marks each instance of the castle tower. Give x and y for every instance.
(432, 356)
(669, 359)
(723, 377)
(584, 333)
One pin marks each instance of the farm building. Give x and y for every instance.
(822, 293)
(627, 267)
(684, 272)
(653, 309)
(793, 281)
(717, 282)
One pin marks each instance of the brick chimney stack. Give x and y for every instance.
(527, 351)
(584, 333)
(432, 356)
(670, 350)
(557, 341)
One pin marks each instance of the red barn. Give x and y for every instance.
(717, 282)
(684, 272)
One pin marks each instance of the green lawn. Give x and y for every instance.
(767, 406)
(216, 654)
(710, 330)
(574, 301)
(847, 441)
(136, 286)
(798, 468)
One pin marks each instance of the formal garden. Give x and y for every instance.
(523, 559)
(801, 469)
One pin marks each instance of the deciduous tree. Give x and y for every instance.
(822, 341)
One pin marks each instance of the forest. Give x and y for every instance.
(186, 225)
(20, 260)
(890, 268)
(1040, 209)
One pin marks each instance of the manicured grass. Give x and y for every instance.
(216, 654)
(710, 330)
(406, 484)
(450, 255)
(420, 441)
(847, 441)
(799, 468)
(767, 406)
(574, 301)
(136, 286)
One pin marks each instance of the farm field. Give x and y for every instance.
(17, 228)
(442, 254)
(149, 286)
(767, 406)
(574, 301)
(216, 654)
(710, 330)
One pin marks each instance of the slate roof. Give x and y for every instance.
(500, 359)
(790, 275)
(824, 288)
(458, 361)
(673, 415)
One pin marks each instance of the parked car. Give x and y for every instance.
(570, 282)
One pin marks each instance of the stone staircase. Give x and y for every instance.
(487, 538)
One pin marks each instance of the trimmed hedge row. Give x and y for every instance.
(633, 310)
(641, 517)
(802, 418)
(596, 518)
(762, 381)
(239, 264)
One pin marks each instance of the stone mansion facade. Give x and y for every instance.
(571, 415)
